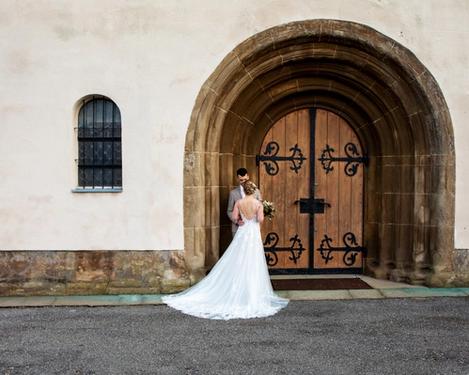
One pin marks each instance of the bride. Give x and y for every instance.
(238, 286)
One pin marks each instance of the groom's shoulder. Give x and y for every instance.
(235, 190)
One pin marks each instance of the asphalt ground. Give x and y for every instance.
(385, 336)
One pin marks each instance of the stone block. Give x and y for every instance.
(194, 206)
(212, 169)
(85, 288)
(227, 171)
(461, 261)
(225, 73)
(390, 177)
(390, 208)
(212, 209)
(125, 283)
(174, 285)
(194, 169)
(93, 266)
(213, 242)
(201, 118)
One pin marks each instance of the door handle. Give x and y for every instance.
(312, 205)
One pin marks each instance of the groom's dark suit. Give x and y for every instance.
(236, 195)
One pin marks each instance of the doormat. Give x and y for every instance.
(319, 284)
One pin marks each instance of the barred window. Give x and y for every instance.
(99, 145)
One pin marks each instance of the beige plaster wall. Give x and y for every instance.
(151, 58)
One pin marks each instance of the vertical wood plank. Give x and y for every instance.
(290, 184)
(265, 185)
(321, 188)
(356, 203)
(345, 189)
(303, 190)
(279, 191)
(333, 186)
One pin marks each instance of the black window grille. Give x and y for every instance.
(99, 145)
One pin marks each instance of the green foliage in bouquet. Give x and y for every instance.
(269, 209)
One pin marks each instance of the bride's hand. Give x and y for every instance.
(240, 222)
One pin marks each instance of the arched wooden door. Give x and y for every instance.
(311, 166)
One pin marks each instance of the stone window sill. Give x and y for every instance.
(97, 190)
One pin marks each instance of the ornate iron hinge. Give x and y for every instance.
(270, 158)
(271, 249)
(353, 159)
(351, 249)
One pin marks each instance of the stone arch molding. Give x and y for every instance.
(387, 95)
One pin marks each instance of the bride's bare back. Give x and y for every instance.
(250, 207)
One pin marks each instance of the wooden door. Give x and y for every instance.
(284, 182)
(311, 167)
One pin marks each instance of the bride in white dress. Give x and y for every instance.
(238, 286)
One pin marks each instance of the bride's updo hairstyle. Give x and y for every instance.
(249, 187)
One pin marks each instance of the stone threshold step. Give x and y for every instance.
(294, 295)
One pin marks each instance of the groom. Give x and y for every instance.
(235, 195)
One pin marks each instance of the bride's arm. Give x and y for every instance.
(260, 213)
(235, 214)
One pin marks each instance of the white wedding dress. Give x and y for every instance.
(238, 286)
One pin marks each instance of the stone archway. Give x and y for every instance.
(387, 95)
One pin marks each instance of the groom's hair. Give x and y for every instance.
(242, 172)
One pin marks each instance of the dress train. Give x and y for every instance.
(238, 286)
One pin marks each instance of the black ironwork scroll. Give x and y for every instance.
(353, 159)
(270, 158)
(351, 249)
(270, 248)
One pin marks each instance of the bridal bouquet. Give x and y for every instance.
(269, 209)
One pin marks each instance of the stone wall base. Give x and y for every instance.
(26, 273)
